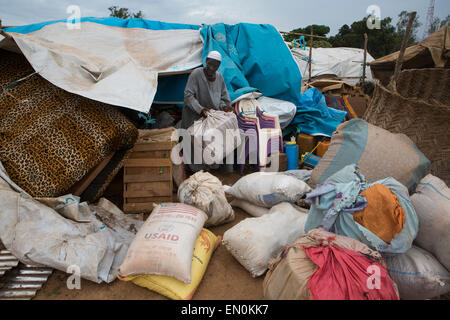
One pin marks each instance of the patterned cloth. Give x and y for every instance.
(50, 139)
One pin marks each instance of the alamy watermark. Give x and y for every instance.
(73, 281)
(73, 21)
(374, 20)
(235, 146)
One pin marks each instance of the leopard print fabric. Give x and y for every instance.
(49, 138)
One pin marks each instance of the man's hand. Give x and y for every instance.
(205, 112)
(228, 109)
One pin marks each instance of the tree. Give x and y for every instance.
(403, 19)
(381, 42)
(319, 30)
(434, 26)
(123, 13)
(446, 21)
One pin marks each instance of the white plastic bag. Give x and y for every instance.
(250, 208)
(204, 191)
(432, 204)
(418, 274)
(267, 189)
(254, 241)
(165, 243)
(285, 110)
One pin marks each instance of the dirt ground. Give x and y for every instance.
(224, 279)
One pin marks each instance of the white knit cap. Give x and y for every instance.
(215, 55)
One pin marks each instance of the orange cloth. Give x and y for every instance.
(383, 215)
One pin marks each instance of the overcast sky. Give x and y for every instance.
(285, 15)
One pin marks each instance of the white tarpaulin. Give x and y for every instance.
(39, 235)
(345, 63)
(114, 65)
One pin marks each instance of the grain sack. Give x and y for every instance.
(175, 289)
(267, 189)
(378, 153)
(205, 192)
(254, 241)
(210, 136)
(293, 275)
(418, 274)
(165, 243)
(432, 204)
(250, 208)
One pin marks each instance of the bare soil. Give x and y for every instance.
(225, 277)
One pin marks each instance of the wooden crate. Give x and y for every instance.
(147, 177)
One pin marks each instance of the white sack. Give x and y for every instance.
(267, 189)
(432, 205)
(215, 136)
(418, 274)
(38, 235)
(285, 110)
(254, 241)
(205, 192)
(165, 243)
(250, 208)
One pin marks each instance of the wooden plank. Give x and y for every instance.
(141, 207)
(146, 193)
(150, 154)
(153, 146)
(147, 178)
(148, 199)
(146, 171)
(148, 163)
(158, 186)
(80, 186)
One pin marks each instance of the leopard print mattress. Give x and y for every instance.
(50, 138)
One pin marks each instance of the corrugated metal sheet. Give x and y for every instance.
(17, 280)
(7, 260)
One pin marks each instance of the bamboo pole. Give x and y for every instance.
(303, 34)
(310, 54)
(365, 59)
(399, 62)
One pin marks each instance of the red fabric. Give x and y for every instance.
(343, 275)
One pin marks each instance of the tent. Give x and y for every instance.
(344, 63)
(135, 62)
(432, 52)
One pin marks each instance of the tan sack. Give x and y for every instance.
(165, 243)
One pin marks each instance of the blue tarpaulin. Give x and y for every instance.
(254, 58)
(313, 115)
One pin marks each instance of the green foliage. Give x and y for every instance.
(123, 13)
(319, 30)
(381, 42)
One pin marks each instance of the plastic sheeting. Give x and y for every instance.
(254, 57)
(345, 63)
(314, 117)
(110, 60)
(38, 235)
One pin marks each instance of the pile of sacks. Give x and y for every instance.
(375, 218)
(171, 251)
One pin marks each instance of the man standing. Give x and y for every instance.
(205, 90)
